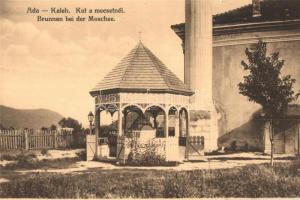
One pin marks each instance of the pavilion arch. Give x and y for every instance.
(183, 107)
(158, 119)
(173, 121)
(132, 119)
(155, 105)
(132, 104)
(107, 124)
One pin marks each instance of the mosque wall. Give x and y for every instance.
(236, 126)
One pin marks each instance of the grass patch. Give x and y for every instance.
(17, 155)
(41, 164)
(250, 181)
(26, 160)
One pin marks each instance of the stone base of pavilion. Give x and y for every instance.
(177, 149)
(167, 148)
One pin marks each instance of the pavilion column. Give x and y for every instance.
(180, 123)
(120, 120)
(177, 124)
(125, 121)
(166, 124)
(97, 130)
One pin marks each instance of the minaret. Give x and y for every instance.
(198, 70)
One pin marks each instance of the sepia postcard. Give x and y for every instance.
(111, 99)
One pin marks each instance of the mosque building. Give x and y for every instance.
(276, 22)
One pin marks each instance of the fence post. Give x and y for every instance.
(26, 140)
(55, 136)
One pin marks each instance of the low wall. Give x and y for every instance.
(166, 147)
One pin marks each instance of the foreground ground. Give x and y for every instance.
(62, 174)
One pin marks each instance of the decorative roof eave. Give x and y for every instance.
(179, 29)
(94, 93)
(219, 30)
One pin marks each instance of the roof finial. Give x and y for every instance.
(256, 11)
(140, 36)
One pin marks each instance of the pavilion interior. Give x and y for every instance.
(149, 124)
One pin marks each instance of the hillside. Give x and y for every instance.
(27, 118)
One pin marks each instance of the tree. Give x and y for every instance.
(2, 127)
(266, 86)
(44, 129)
(77, 129)
(70, 123)
(53, 127)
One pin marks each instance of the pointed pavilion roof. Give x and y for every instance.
(141, 71)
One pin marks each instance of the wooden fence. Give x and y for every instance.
(37, 139)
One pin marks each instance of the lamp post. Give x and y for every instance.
(91, 119)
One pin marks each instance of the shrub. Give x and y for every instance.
(8, 156)
(149, 158)
(233, 145)
(44, 152)
(295, 166)
(146, 154)
(82, 155)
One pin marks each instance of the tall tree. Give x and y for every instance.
(266, 86)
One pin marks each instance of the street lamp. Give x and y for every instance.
(91, 119)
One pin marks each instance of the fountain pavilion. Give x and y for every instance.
(151, 104)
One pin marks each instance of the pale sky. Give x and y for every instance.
(54, 65)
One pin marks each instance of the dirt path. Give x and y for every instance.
(214, 162)
(186, 166)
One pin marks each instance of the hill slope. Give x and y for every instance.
(27, 118)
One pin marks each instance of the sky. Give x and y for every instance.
(54, 65)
